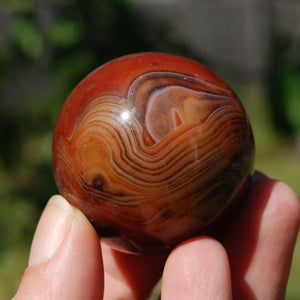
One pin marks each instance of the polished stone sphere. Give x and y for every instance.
(154, 149)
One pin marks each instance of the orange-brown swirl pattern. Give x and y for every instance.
(157, 165)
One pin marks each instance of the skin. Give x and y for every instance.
(252, 262)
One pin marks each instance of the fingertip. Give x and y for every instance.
(275, 202)
(261, 239)
(125, 275)
(51, 230)
(200, 246)
(197, 267)
(65, 260)
(288, 202)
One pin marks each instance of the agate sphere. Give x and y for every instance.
(154, 149)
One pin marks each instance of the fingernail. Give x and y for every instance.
(51, 230)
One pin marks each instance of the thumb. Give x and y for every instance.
(65, 258)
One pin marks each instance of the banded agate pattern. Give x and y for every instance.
(158, 163)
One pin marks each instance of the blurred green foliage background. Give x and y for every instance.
(47, 48)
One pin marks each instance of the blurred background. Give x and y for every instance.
(48, 46)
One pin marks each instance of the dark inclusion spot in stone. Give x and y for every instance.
(103, 229)
(98, 183)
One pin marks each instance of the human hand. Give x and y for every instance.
(253, 262)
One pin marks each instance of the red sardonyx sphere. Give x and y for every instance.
(154, 149)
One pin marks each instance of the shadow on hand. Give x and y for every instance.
(243, 235)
